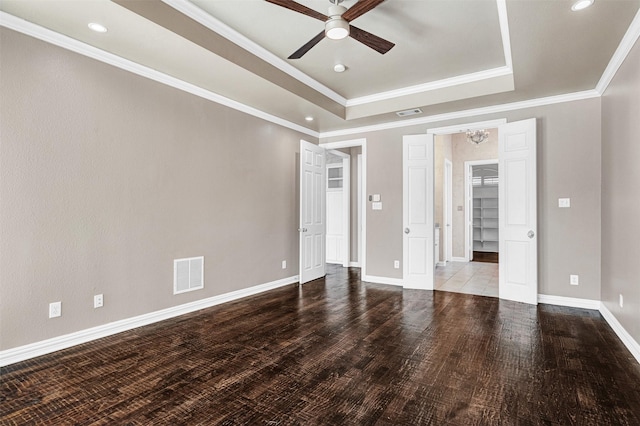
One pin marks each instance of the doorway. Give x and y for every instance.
(466, 224)
(338, 205)
(352, 154)
(517, 241)
(482, 210)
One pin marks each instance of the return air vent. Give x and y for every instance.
(409, 112)
(188, 274)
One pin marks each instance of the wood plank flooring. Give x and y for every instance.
(484, 256)
(339, 352)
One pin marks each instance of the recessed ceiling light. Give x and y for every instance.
(339, 68)
(99, 28)
(308, 118)
(581, 4)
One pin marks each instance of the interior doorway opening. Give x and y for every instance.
(466, 213)
(345, 195)
(484, 212)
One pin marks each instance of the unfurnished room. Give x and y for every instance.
(319, 212)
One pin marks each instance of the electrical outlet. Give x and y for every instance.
(284, 264)
(574, 279)
(55, 309)
(621, 301)
(98, 301)
(396, 264)
(564, 203)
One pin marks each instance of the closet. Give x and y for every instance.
(485, 208)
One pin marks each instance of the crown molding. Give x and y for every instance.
(197, 14)
(625, 46)
(28, 28)
(433, 85)
(504, 31)
(550, 100)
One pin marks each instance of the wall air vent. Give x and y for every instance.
(188, 274)
(409, 112)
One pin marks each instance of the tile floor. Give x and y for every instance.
(469, 278)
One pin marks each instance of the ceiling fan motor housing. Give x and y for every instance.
(336, 27)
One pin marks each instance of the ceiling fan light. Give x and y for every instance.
(336, 29)
(581, 4)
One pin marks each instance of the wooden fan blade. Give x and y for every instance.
(304, 49)
(360, 8)
(297, 7)
(373, 41)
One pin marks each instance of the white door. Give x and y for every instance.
(518, 217)
(312, 211)
(418, 226)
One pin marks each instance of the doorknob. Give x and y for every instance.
(531, 234)
(407, 230)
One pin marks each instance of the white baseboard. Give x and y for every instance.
(571, 302)
(354, 264)
(626, 338)
(382, 280)
(43, 347)
(459, 259)
(441, 264)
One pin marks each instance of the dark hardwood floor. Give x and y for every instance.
(340, 352)
(484, 256)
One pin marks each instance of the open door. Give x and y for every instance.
(518, 215)
(312, 212)
(418, 225)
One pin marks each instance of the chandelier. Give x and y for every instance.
(476, 137)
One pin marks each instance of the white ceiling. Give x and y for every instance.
(450, 55)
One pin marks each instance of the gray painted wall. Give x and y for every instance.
(621, 194)
(106, 177)
(568, 166)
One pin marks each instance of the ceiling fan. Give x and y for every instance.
(337, 24)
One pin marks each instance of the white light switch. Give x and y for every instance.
(564, 202)
(376, 206)
(376, 197)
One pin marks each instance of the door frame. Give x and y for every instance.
(362, 175)
(346, 204)
(447, 214)
(468, 203)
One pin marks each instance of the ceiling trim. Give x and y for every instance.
(504, 30)
(434, 85)
(550, 100)
(197, 14)
(461, 128)
(626, 44)
(194, 12)
(41, 33)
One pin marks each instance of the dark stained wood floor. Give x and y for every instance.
(485, 256)
(340, 352)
